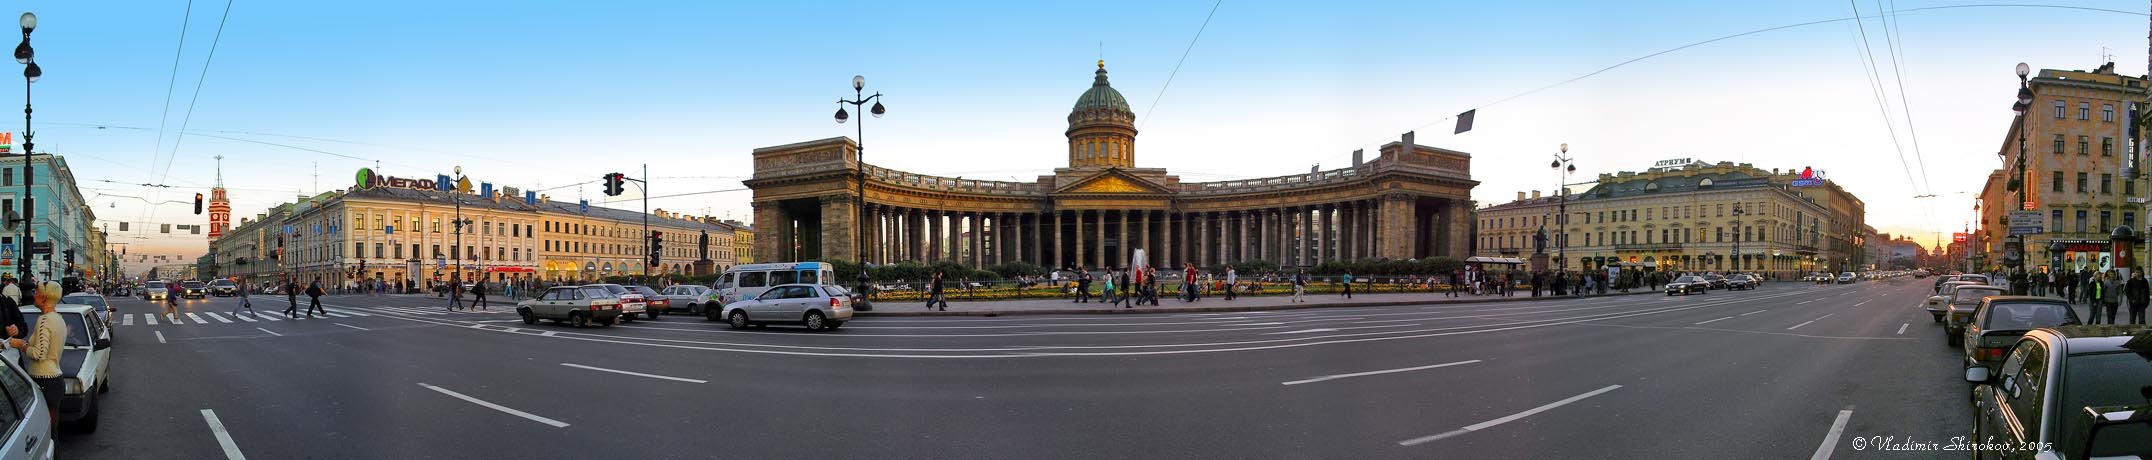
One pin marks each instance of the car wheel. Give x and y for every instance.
(612, 322)
(815, 321)
(104, 386)
(654, 314)
(712, 314)
(738, 319)
(833, 325)
(528, 317)
(630, 317)
(576, 318)
(88, 424)
(1952, 338)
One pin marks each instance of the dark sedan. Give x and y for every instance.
(1688, 285)
(2070, 392)
(1959, 311)
(1740, 282)
(2000, 321)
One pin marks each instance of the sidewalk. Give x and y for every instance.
(1063, 306)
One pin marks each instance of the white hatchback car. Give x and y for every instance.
(816, 306)
(85, 363)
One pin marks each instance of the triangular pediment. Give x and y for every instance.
(1112, 181)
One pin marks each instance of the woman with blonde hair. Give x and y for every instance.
(47, 341)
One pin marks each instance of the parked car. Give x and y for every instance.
(1688, 285)
(2001, 320)
(193, 290)
(155, 291)
(689, 298)
(632, 303)
(223, 288)
(816, 306)
(85, 363)
(29, 435)
(1740, 282)
(94, 301)
(747, 281)
(1963, 301)
(2070, 392)
(1715, 281)
(1939, 303)
(1846, 278)
(580, 306)
(653, 304)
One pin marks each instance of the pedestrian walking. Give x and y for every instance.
(2140, 294)
(2111, 288)
(171, 304)
(313, 294)
(455, 295)
(291, 296)
(1188, 282)
(1107, 294)
(1300, 287)
(478, 290)
(244, 302)
(1232, 282)
(1128, 286)
(1348, 285)
(934, 292)
(1083, 285)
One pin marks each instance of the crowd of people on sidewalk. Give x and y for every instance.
(2107, 293)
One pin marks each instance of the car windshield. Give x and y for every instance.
(154, 285)
(77, 334)
(91, 300)
(1687, 279)
(2104, 379)
(191, 284)
(614, 288)
(223, 283)
(644, 290)
(598, 292)
(2025, 316)
(1971, 295)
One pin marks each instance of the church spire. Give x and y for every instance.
(220, 171)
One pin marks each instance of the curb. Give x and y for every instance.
(1158, 310)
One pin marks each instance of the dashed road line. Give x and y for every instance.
(1380, 372)
(1715, 320)
(1520, 415)
(1830, 441)
(353, 327)
(224, 438)
(1901, 328)
(271, 332)
(637, 374)
(1755, 312)
(504, 409)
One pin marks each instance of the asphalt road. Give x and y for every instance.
(1762, 374)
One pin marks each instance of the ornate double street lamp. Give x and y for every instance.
(2014, 244)
(30, 74)
(1564, 165)
(859, 151)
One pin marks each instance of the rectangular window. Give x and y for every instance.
(437, 225)
(2084, 183)
(436, 251)
(2084, 145)
(358, 250)
(2107, 220)
(2059, 108)
(2081, 221)
(2055, 221)
(2107, 184)
(2129, 219)
(2084, 110)
(2129, 187)
(2107, 112)
(7, 176)
(377, 251)
(2056, 185)
(2107, 146)
(399, 250)
(2058, 144)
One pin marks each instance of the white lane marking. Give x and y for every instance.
(505, 409)
(197, 319)
(637, 374)
(149, 319)
(353, 327)
(1864, 302)
(1830, 441)
(1303, 331)
(353, 313)
(273, 316)
(219, 318)
(1510, 418)
(127, 320)
(1805, 323)
(335, 314)
(1715, 320)
(1901, 328)
(1754, 312)
(271, 332)
(244, 318)
(160, 337)
(224, 438)
(1380, 372)
(1803, 302)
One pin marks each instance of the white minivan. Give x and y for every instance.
(749, 280)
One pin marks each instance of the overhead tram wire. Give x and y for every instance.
(1177, 64)
(170, 82)
(1905, 105)
(197, 97)
(1875, 88)
(1759, 31)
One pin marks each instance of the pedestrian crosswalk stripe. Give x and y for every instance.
(149, 319)
(219, 318)
(244, 318)
(197, 318)
(354, 313)
(274, 316)
(126, 320)
(335, 314)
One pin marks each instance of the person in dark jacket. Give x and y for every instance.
(479, 289)
(2139, 294)
(313, 294)
(291, 296)
(17, 328)
(934, 292)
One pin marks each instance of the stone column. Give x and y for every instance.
(1399, 227)
(1143, 237)
(1099, 259)
(1199, 237)
(1454, 229)
(838, 215)
(935, 245)
(1166, 257)
(769, 230)
(978, 240)
(1349, 237)
(1081, 257)
(1225, 243)
(1307, 236)
(1052, 227)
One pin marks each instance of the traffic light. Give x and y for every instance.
(197, 203)
(69, 255)
(614, 183)
(657, 247)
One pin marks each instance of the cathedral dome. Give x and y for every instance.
(1102, 129)
(1102, 96)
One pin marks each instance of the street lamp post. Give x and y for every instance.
(455, 278)
(30, 74)
(1739, 232)
(1564, 165)
(2014, 245)
(859, 98)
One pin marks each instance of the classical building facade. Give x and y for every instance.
(1411, 201)
(2079, 169)
(1689, 217)
(405, 230)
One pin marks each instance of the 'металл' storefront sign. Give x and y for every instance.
(367, 179)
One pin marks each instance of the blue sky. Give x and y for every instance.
(546, 94)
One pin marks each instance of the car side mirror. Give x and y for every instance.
(1976, 374)
(101, 344)
(2114, 424)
